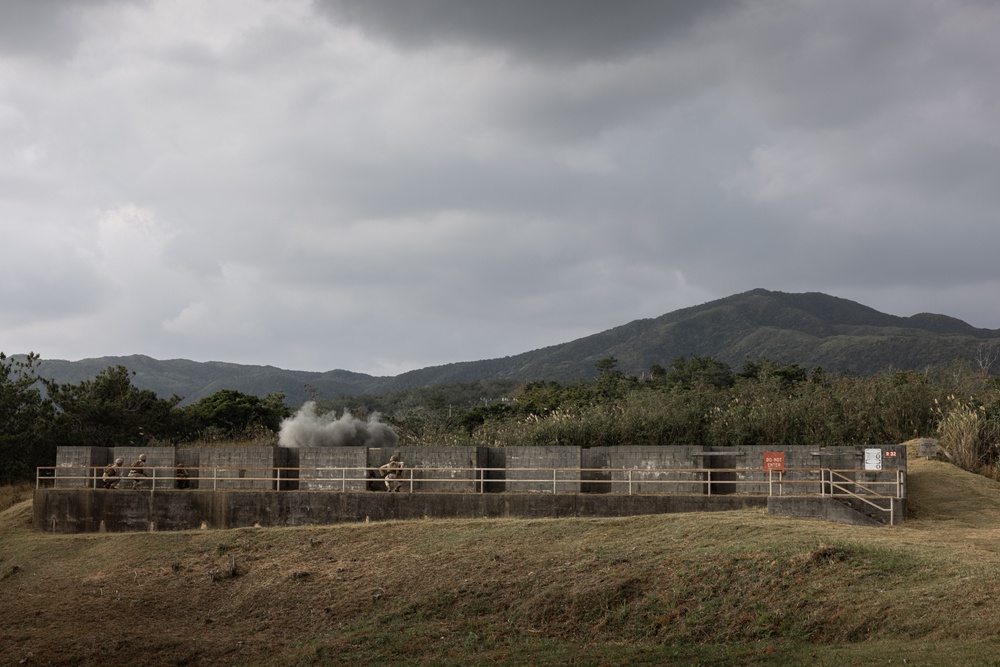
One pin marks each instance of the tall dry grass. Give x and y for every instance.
(12, 494)
(968, 435)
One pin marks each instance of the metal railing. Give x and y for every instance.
(853, 483)
(836, 484)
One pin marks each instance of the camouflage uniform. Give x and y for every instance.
(393, 473)
(182, 478)
(137, 470)
(112, 474)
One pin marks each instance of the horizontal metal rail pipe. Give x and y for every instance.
(785, 481)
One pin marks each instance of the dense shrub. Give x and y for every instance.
(969, 433)
(699, 402)
(764, 405)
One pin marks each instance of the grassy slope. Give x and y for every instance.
(729, 588)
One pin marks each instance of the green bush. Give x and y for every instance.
(765, 405)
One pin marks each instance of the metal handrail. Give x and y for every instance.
(776, 481)
(871, 493)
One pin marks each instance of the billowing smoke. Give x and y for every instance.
(307, 429)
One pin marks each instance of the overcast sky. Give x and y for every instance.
(381, 186)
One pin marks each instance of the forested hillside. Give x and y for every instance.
(697, 401)
(788, 370)
(811, 330)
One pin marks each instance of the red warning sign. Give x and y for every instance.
(774, 460)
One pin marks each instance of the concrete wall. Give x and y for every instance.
(332, 468)
(236, 485)
(189, 460)
(77, 462)
(496, 462)
(161, 463)
(650, 469)
(731, 469)
(433, 468)
(520, 477)
(605, 469)
(792, 479)
(829, 509)
(241, 467)
(797, 480)
(80, 466)
(92, 510)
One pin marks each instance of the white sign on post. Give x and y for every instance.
(873, 459)
(928, 448)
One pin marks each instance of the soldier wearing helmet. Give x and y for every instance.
(182, 477)
(112, 474)
(137, 470)
(393, 473)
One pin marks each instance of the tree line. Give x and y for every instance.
(701, 401)
(697, 401)
(37, 415)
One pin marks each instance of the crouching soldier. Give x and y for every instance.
(112, 474)
(137, 470)
(393, 473)
(182, 477)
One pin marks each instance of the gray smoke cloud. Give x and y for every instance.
(308, 429)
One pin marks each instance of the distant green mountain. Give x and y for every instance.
(810, 329)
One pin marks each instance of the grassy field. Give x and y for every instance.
(735, 588)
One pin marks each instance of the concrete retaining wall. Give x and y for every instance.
(92, 510)
(564, 481)
(829, 509)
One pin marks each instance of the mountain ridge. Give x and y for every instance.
(811, 329)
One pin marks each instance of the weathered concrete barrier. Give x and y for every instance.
(228, 487)
(832, 509)
(75, 510)
(590, 469)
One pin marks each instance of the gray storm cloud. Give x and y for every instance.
(553, 29)
(166, 171)
(308, 429)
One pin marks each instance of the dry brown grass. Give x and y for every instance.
(14, 494)
(723, 588)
